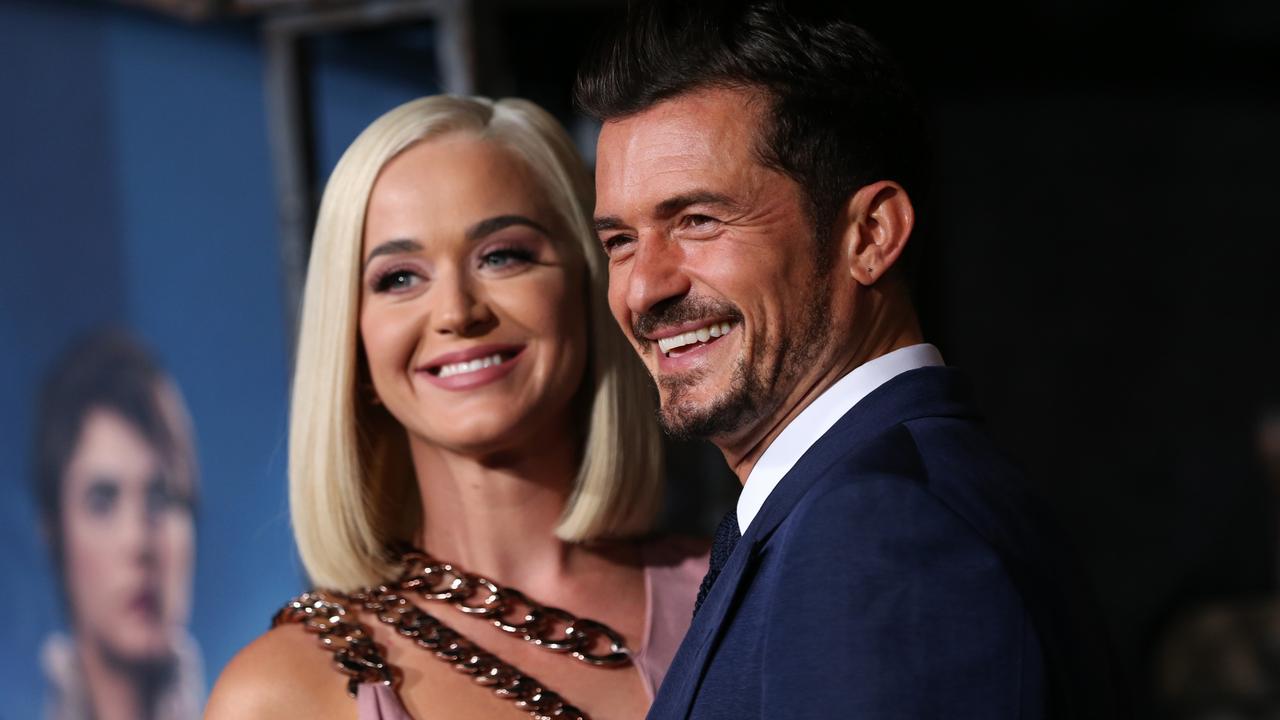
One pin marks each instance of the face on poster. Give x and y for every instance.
(115, 484)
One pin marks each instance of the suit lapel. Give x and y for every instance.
(685, 675)
(917, 393)
(924, 392)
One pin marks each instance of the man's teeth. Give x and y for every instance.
(702, 334)
(470, 366)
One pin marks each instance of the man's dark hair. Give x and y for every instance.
(840, 114)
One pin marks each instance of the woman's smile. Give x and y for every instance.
(471, 368)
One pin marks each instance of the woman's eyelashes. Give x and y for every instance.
(506, 257)
(500, 260)
(101, 495)
(395, 279)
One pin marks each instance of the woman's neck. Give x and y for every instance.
(114, 691)
(496, 515)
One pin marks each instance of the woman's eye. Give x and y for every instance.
(396, 280)
(101, 496)
(505, 258)
(159, 496)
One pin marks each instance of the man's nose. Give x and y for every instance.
(657, 273)
(459, 307)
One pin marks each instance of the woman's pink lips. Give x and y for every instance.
(471, 353)
(145, 603)
(477, 378)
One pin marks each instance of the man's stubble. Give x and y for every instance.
(756, 390)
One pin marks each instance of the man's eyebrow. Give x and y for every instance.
(608, 222)
(494, 224)
(673, 205)
(393, 247)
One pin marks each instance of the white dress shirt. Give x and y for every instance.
(815, 420)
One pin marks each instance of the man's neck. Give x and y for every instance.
(888, 333)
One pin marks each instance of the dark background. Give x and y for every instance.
(1101, 253)
(1101, 258)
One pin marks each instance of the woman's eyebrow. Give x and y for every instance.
(392, 247)
(496, 223)
(481, 229)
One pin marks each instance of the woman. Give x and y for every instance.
(460, 387)
(115, 487)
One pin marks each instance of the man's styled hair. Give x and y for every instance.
(353, 495)
(839, 114)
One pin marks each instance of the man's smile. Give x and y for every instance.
(681, 342)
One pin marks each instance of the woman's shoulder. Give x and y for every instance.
(285, 672)
(677, 554)
(674, 567)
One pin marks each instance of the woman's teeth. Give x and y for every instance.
(702, 334)
(470, 366)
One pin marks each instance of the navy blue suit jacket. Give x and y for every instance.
(899, 570)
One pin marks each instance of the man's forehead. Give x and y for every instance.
(674, 143)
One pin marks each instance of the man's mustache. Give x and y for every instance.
(679, 311)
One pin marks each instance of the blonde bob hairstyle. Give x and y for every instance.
(352, 490)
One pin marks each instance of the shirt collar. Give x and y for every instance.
(816, 419)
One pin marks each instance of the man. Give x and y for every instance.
(754, 179)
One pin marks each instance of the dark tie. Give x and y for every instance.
(727, 536)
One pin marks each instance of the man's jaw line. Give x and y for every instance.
(743, 449)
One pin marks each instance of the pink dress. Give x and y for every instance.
(673, 569)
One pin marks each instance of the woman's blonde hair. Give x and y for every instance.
(352, 491)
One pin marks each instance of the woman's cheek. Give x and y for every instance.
(89, 558)
(378, 335)
(178, 550)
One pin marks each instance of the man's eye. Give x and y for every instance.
(396, 280)
(615, 242)
(698, 222)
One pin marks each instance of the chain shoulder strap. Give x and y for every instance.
(325, 614)
(550, 628)
(356, 655)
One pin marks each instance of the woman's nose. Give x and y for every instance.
(459, 307)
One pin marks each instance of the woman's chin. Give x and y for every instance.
(478, 437)
(146, 647)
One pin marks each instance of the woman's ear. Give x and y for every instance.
(877, 221)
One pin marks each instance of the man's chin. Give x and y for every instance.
(717, 419)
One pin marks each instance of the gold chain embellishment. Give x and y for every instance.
(355, 654)
(325, 614)
(358, 657)
(547, 627)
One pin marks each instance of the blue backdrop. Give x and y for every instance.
(136, 191)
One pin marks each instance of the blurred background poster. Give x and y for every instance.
(1102, 252)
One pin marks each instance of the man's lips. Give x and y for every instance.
(681, 338)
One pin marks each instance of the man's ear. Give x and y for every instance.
(878, 219)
